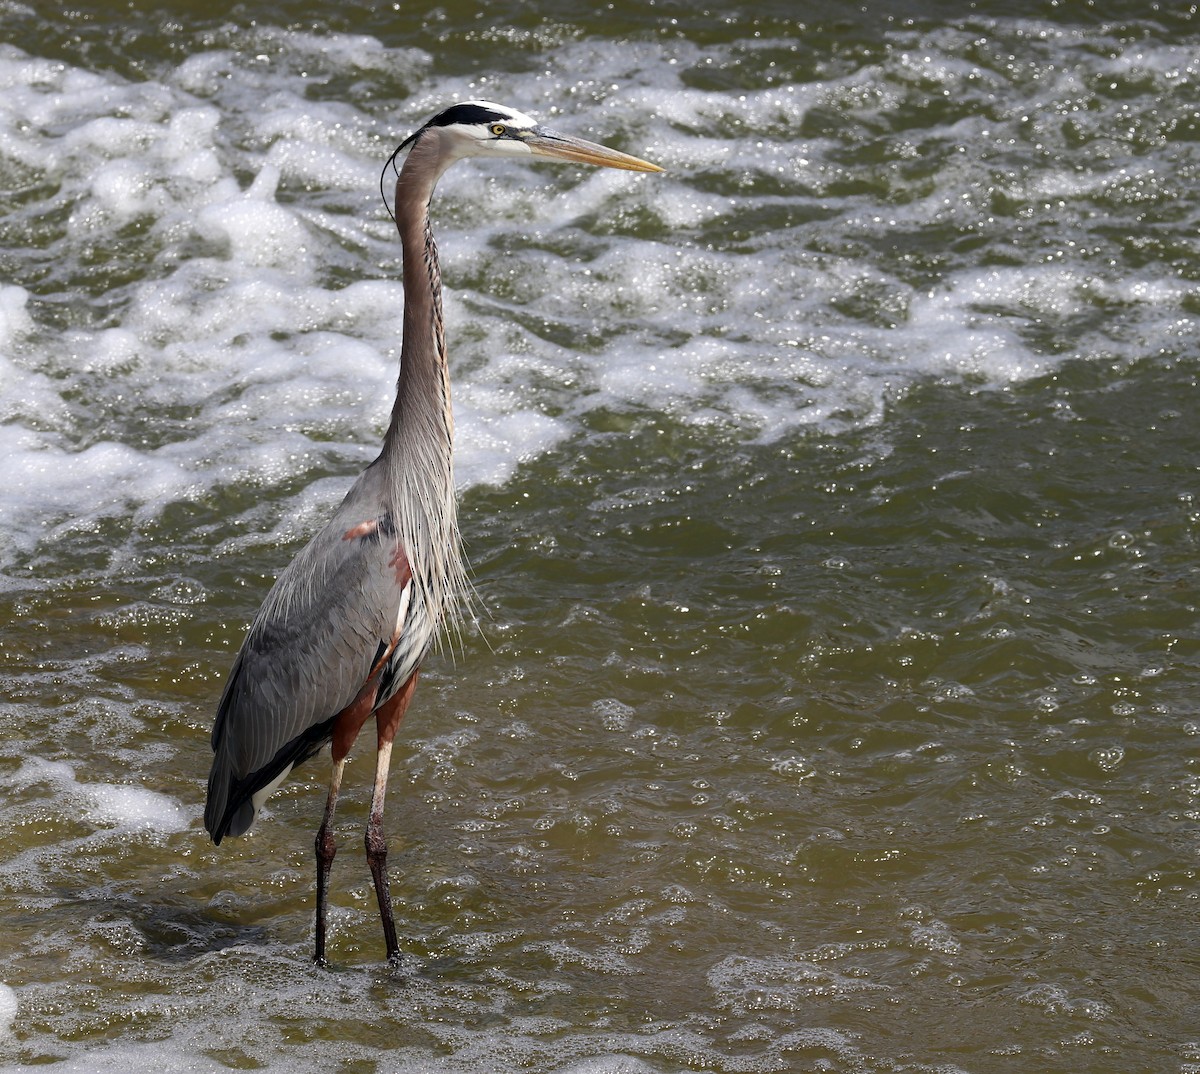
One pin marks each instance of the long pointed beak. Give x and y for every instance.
(547, 143)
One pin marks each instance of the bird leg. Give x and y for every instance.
(326, 848)
(377, 850)
(387, 723)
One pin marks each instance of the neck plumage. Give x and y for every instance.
(418, 444)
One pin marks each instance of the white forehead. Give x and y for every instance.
(511, 115)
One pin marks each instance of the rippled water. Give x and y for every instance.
(831, 498)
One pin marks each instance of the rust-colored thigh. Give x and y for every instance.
(348, 722)
(391, 712)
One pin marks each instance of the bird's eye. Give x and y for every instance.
(498, 129)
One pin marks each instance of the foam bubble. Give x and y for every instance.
(8, 1009)
(256, 231)
(744, 984)
(161, 1058)
(15, 321)
(133, 807)
(607, 1064)
(121, 807)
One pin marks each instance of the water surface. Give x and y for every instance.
(831, 500)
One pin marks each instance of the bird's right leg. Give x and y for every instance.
(387, 722)
(326, 848)
(377, 853)
(346, 726)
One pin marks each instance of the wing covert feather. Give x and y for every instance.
(312, 645)
(306, 657)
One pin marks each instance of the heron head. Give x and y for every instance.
(484, 129)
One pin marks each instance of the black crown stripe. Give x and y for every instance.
(467, 113)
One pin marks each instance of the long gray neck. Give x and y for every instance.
(421, 416)
(417, 447)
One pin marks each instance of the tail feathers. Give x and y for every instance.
(233, 805)
(226, 812)
(234, 801)
(237, 822)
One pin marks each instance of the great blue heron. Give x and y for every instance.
(341, 635)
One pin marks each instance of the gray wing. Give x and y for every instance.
(330, 616)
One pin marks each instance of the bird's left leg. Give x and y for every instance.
(388, 721)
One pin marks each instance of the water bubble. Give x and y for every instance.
(1107, 759)
(614, 715)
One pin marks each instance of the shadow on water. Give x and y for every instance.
(162, 931)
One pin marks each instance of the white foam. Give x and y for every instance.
(133, 808)
(8, 1009)
(15, 321)
(123, 808)
(268, 310)
(169, 1058)
(607, 1064)
(255, 231)
(744, 984)
(130, 1059)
